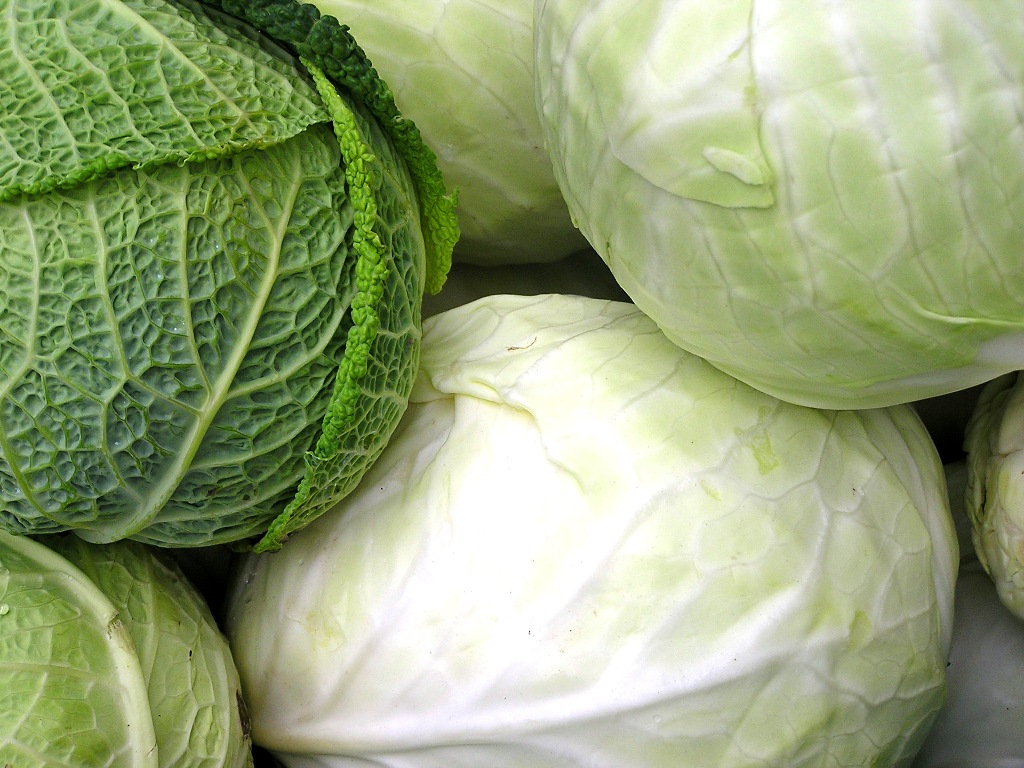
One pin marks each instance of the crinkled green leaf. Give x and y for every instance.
(170, 340)
(194, 345)
(328, 45)
(382, 348)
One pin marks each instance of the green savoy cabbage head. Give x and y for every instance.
(585, 547)
(215, 234)
(109, 657)
(825, 200)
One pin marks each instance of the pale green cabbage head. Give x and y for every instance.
(463, 70)
(587, 547)
(825, 200)
(109, 657)
(995, 485)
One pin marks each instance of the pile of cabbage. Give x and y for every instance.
(692, 436)
(216, 230)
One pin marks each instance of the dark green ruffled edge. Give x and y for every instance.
(336, 63)
(327, 44)
(371, 273)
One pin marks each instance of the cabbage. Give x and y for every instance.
(109, 657)
(825, 201)
(586, 547)
(212, 256)
(995, 485)
(463, 70)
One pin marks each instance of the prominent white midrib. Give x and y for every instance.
(220, 388)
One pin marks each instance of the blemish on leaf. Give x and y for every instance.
(514, 348)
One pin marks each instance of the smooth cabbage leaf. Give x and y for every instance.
(109, 657)
(587, 547)
(824, 201)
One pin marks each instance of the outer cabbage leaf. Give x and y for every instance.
(995, 486)
(826, 202)
(463, 70)
(210, 322)
(193, 352)
(105, 85)
(73, 690)
(195, 700)
(110, 658)
(586, 547)
(329, 46)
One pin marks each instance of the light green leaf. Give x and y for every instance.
(193, 690)
(72, 690)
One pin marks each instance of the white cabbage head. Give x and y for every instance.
(463, 70)
(825, 200)
(587, 547)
